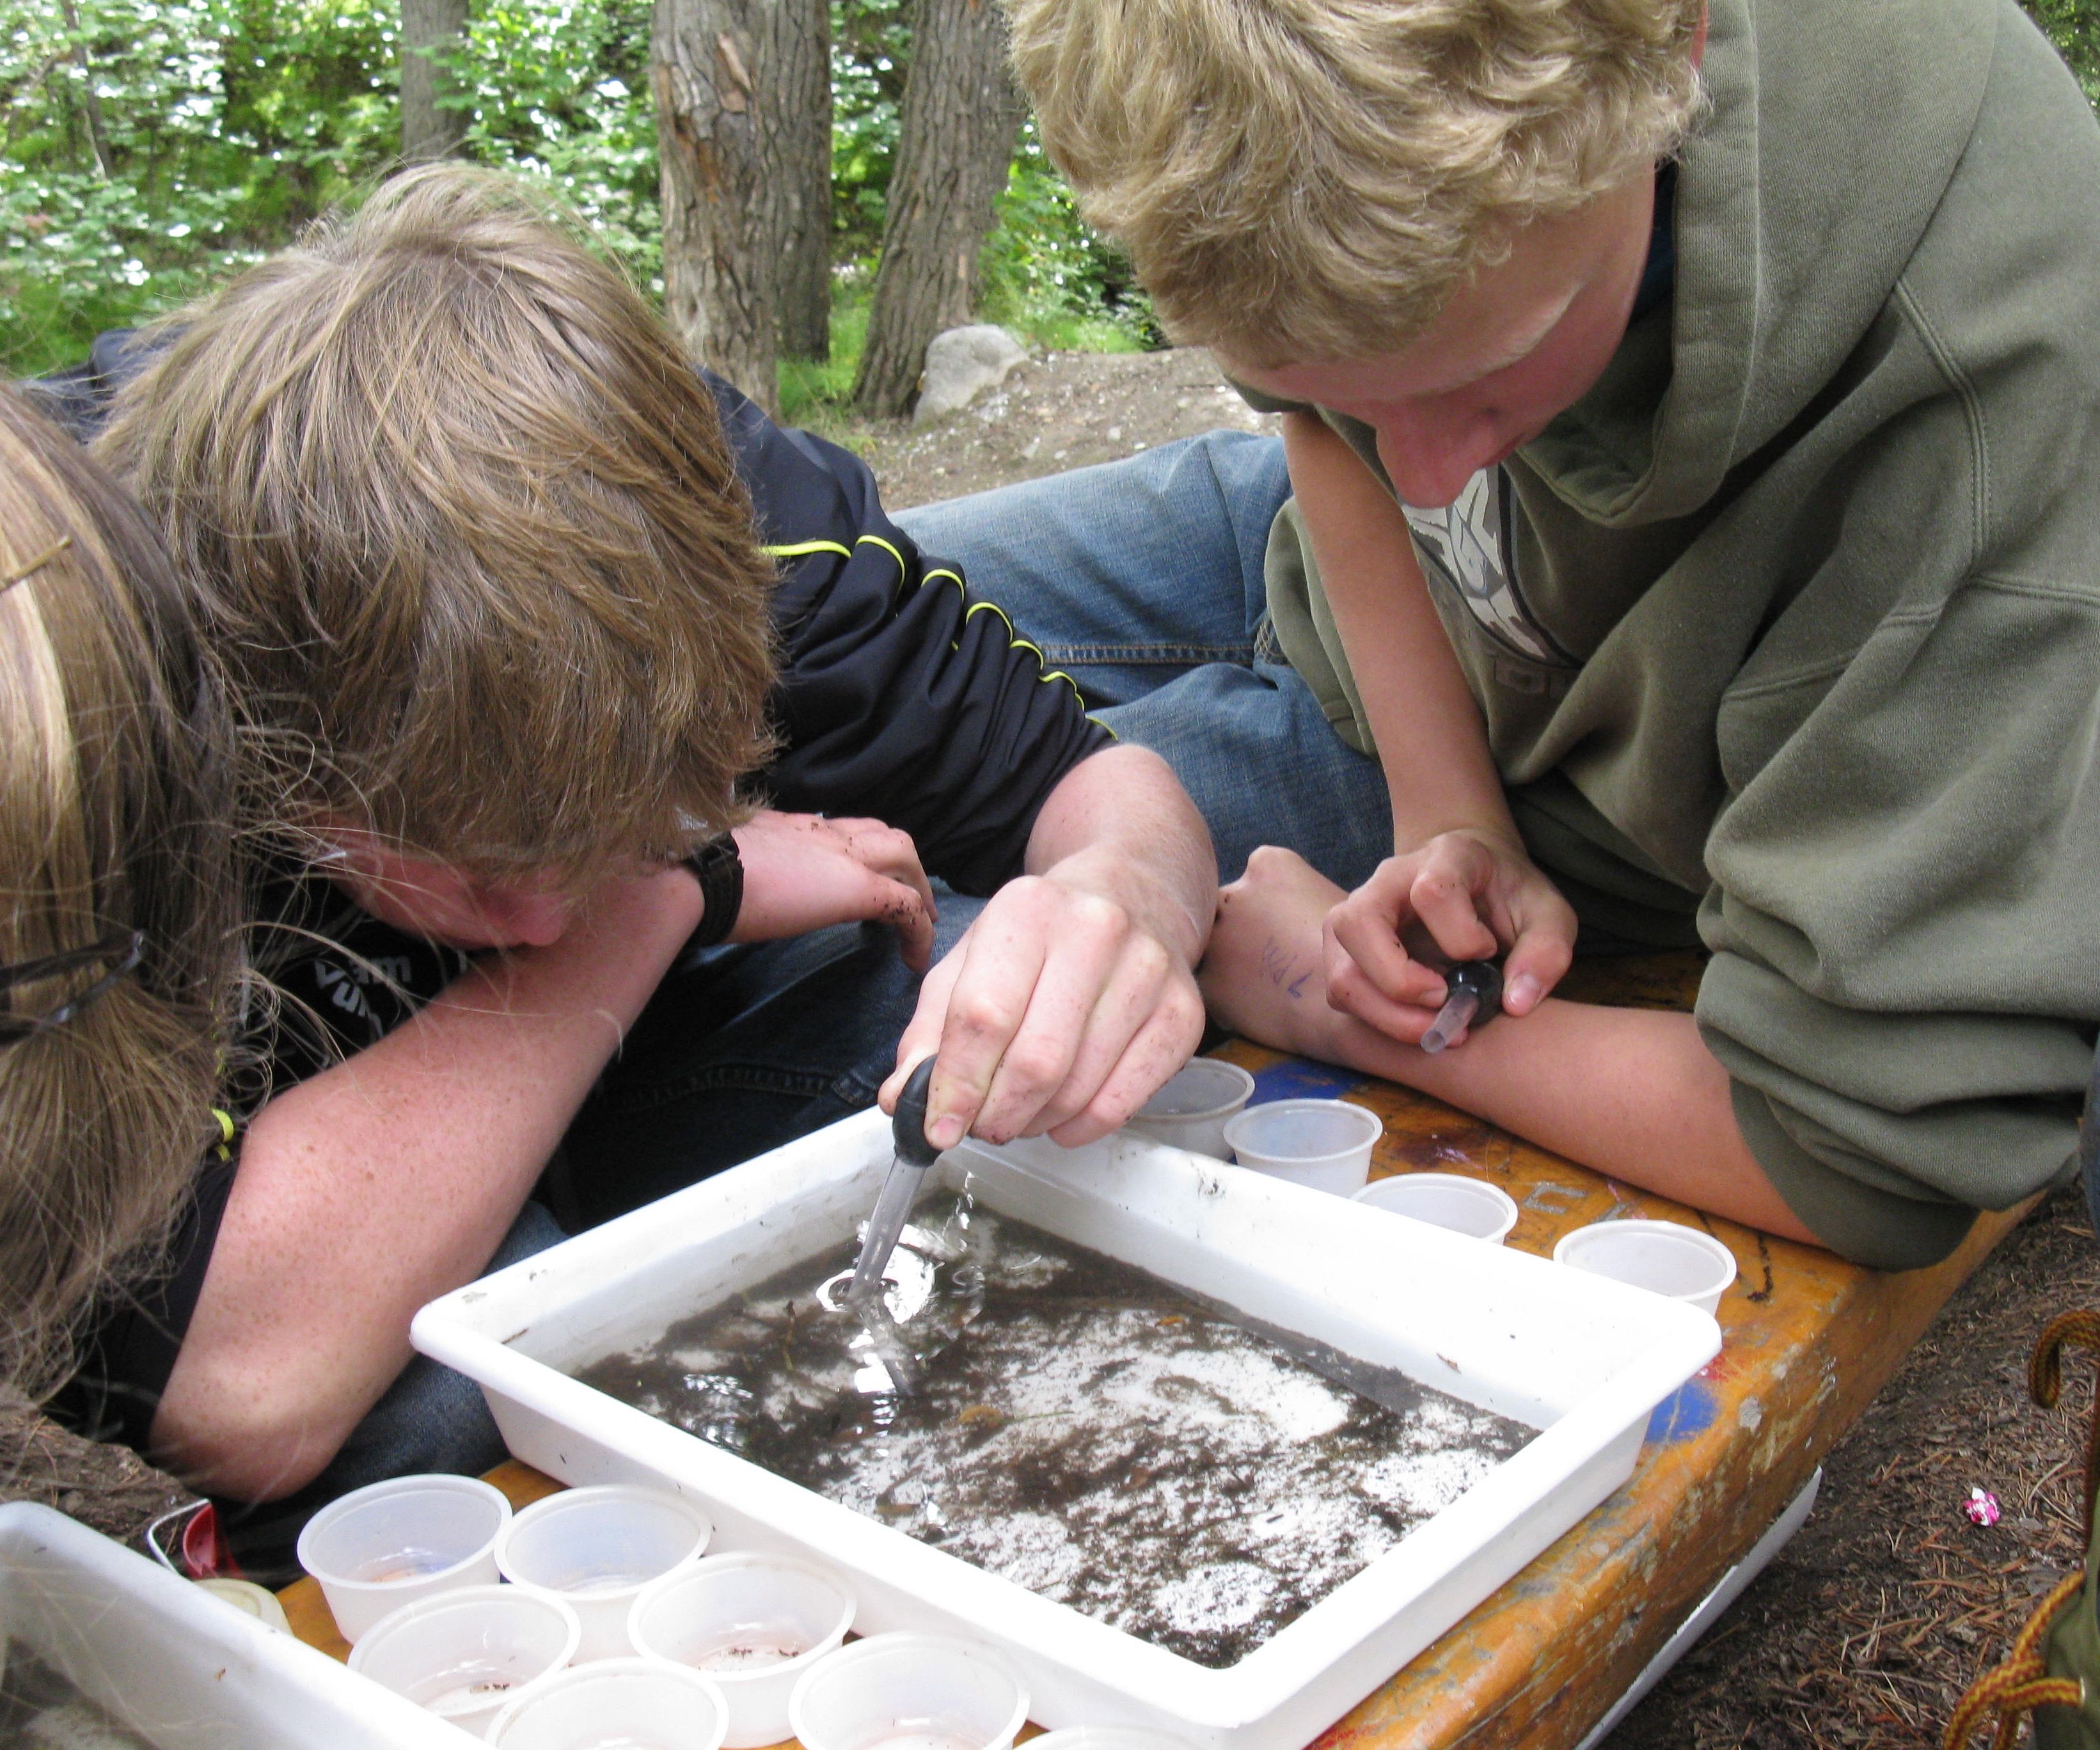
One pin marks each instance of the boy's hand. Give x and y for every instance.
(803, 871)
(1464, 894)
(1062, 1010)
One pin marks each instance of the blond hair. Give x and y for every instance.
(115, 804)
(485, 574)
(1309, 181)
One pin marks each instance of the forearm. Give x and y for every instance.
(1120, 825)
(1633, 1093)
(390, 1178)
(1423, 717)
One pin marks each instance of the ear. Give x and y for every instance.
(1698, 40)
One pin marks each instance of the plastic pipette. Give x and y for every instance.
(1473, 997)
(900, 1189)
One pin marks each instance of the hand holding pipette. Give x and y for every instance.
(1460, 898)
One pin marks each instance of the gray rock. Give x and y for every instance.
(960, 364)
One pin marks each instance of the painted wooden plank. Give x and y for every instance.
(1809, 1340)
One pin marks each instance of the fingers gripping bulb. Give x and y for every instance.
(1473, 997)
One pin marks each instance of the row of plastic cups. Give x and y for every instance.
(719, 1649)
(1326, 1144)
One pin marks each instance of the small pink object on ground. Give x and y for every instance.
(1982, 1506)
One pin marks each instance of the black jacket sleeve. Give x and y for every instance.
(899, 696)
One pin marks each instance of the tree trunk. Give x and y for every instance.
(806, 209)
(428, 131)
(954, 142)
(743, 90)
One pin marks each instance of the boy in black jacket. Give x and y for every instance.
(514, 601)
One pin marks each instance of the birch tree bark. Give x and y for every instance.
(428, 131)
(955, 141)
(743, 91)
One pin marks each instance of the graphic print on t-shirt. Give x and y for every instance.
(1468, 548)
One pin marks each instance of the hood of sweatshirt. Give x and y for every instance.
(1778, 262)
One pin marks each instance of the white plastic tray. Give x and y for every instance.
(183, 1669)
(1581, 1358)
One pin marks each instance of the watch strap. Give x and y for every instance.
(719, 869)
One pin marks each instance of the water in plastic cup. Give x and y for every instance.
(464, 1655)
(908, 1692)
(1189, 1112)
(598, 1548)
(1323, 1144)
(1445, 1200)
(754, 1623)
(387, 1545)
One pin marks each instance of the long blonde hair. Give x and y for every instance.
(118, 930)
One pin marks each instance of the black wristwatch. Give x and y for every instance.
(719, 869)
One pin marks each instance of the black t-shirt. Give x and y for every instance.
(900, 697)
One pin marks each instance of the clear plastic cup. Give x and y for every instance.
(389, 1544)
(596, 1549)
(467, 1655)
(1446, 1199)
(615, 1704)
(1324, 1144)
(908, 1692)
(1107, 1738)
(1664, 1257)
(753, 1624)
(1190, 1110)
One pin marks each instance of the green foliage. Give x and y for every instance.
(1049, 275)
(2074, 27)
(154, 144)
(559, 91)
(871, 52)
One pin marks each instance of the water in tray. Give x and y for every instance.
(1072, 1424)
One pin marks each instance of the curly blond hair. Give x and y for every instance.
(1309, 181)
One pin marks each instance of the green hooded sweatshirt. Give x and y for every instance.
(1788, 632)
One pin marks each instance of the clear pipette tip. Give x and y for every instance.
(1458, 1009)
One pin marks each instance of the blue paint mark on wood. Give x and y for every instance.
(1300, 1078)
(1689, 1410)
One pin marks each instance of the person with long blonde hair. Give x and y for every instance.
(116, 943)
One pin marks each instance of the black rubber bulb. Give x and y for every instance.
(1483, 978)
(909, 1125)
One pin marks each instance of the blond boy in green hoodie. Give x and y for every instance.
(1764, 613)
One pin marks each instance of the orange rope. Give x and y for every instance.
(2020, 1682)
(2045, 1381)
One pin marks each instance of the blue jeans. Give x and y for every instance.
(1143, 580)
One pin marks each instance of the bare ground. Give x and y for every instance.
(1866, 1628)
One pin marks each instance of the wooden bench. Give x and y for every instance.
(1809, 1341)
